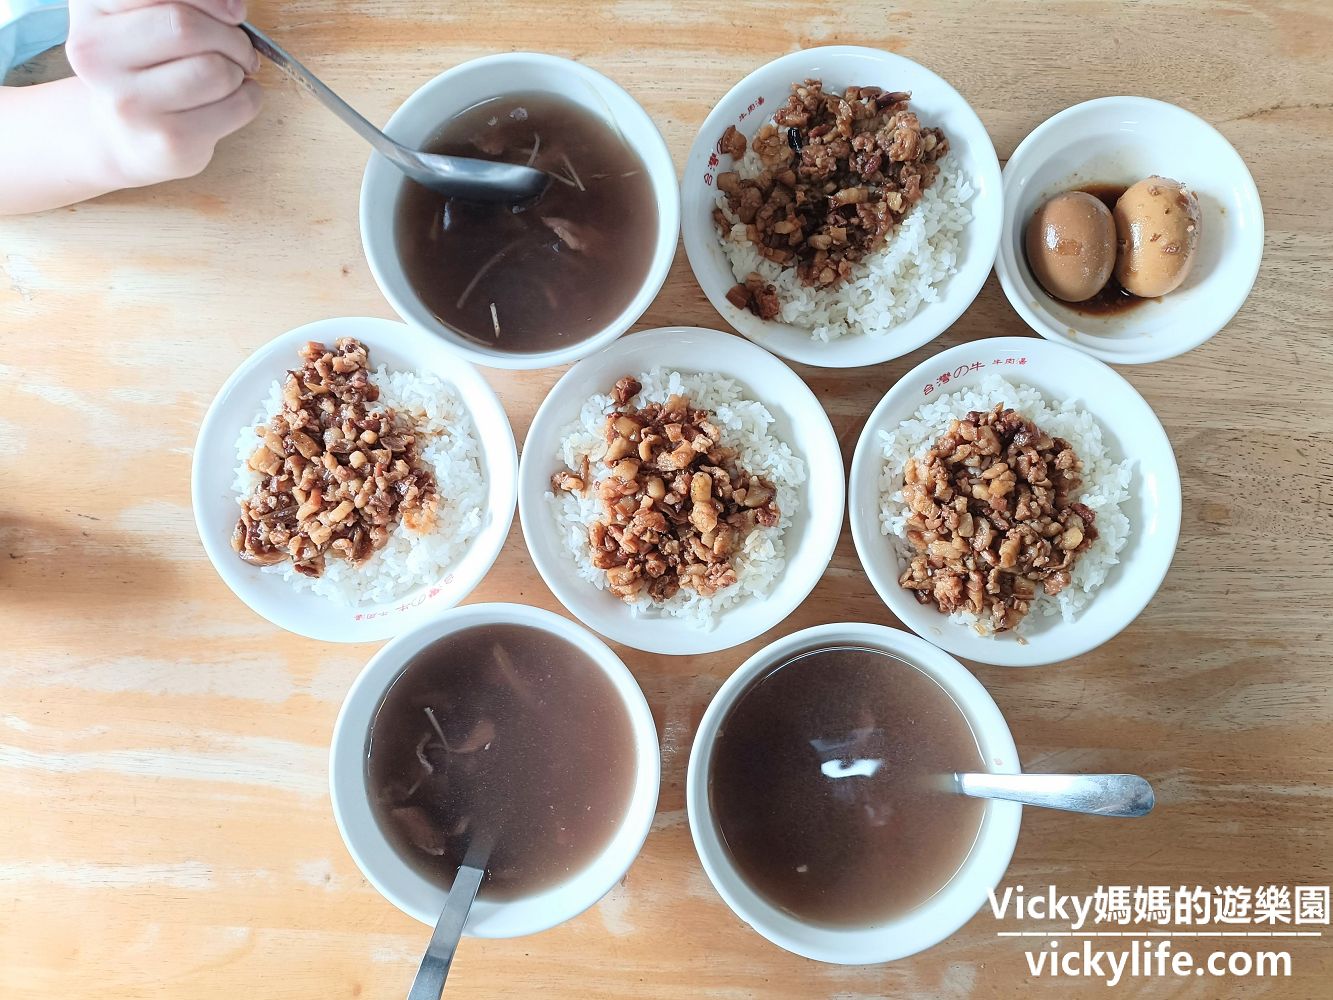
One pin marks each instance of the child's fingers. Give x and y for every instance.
(227, 11)
(181, 85)
(227, 115)
(150, 36)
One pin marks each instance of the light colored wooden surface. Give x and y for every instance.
(164, 825)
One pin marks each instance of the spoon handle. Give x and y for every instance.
(429, 981)
(291, 68)
(1097, 794)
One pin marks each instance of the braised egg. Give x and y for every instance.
(1157, 225)
(1071, 245)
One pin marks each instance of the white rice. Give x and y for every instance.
(447, 443)
(745, 426)
(1105, 482)
(887, 287)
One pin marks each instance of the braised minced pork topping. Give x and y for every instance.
(675, 504)
(840, 171)
(991, 517)
(338, 473)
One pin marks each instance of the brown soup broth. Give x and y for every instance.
(534, 750)
(826, 784)
(557, 270)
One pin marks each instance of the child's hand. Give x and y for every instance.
(170, 78)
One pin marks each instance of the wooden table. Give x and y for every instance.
(165, 829)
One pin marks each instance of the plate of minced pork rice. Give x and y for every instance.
(851, 215)
(1001, 518)
(366, 489)
(674, 502)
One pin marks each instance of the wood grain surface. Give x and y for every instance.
(165, 829)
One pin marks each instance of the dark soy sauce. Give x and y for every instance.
(826, 784)
(509, 733)
(540, 276)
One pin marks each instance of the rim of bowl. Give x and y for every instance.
(496, 446)
(768, 381)
(651, 149)
(361, 834)
(954, 904)
(863, 509)
(1184, 337)
(857, 350)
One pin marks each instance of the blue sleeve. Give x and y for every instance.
(28, 27)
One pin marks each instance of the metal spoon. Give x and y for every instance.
(1097, 794)
(457, 176)
(434, 969)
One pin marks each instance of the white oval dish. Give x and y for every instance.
(799, 420)
(945, 912)
(454, 91)
(1130, 430)
(749, 104)
(398, 347)
(1121, 140)
(397, 881)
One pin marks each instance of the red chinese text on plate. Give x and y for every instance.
(715, 157)
(365, 616)
(944, 378)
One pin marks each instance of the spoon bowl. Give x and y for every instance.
(456, 176)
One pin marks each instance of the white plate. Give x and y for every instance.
(399, 347)
(1130, 430)
(1121, 140)
(751, 103)
(799, 420)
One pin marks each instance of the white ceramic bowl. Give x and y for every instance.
(841, 66)
(215, 510)
(1121, 140)
(398, 882)
(1130, 430)
(799, 420)
(946, 911)
(458, 89)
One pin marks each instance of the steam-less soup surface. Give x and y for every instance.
(544, 275)
(510, 734)
(826, 782)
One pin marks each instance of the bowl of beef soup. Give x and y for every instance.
(815, 799)
(502, 722)
(541, 283)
